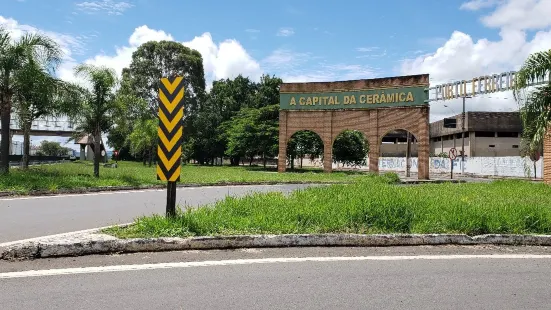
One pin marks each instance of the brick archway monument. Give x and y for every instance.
(372, 106)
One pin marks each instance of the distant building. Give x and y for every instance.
(487, 134)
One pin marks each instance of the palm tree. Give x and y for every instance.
(143, 138)
(535, 107)
(14, 55)
(93, 115)
(38, 94)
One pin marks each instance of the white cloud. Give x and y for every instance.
(307, 67)
(225, 60)
(366, 49)
(285, 32)
(475, 5)
(252, 30)
(461, 57)
(70, 45)
(109, 7)
(520, 14)
(333, 72)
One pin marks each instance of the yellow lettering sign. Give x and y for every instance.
(369, 98)
(375, 98)
(409, 97)
(362, 98)
(331, 100)
(292, 102)
(402, 97)
(383, 98)
(346, 100)
(301, 100)
(315, 100)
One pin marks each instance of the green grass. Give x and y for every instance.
(369, 205)
(80, 175)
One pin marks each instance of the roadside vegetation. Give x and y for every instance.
(372, 204)
(80, 175)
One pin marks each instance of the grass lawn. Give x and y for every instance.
(80, 175)
(371, 204)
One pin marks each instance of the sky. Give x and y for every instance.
(304, 41)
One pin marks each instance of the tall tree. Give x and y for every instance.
(143, 139)
(38, 94)
(535, 104)
(129, 110)
(94, 116)
(303, 143)
(253, 132)
(350, 148)
(14, 55)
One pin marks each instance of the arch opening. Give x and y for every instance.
(350, 150)
(399, 152)
(305, 149)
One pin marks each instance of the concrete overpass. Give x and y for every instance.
(46, 126)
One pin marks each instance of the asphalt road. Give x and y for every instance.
(30, 217)
(311, 278)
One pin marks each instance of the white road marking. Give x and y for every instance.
(138, 191)
(104, 269)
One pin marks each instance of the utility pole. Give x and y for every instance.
(463, 136)
(408, 155)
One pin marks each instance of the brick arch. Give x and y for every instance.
(291, 133)
(397, 128)
(328, 120)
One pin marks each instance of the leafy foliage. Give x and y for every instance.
(94, 110)
(535, 107)
(29, 52)
(304, 143)
(350, 148)
(51, 148)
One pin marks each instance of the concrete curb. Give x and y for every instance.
(105, 244)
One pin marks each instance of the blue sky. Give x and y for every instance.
(306, 40)
(371, 34)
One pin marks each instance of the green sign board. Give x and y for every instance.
(357, 99)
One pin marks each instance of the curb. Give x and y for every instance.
(105, 244)
(142, 187)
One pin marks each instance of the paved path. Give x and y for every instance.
(311, 278)
(30, 217)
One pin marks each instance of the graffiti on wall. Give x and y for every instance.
(495, 166)
(436, 164)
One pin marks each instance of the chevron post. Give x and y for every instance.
(170, 131)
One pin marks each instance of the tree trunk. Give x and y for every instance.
(264, 160)
(150, 157)
(5, 111)
(144, 157)
(26, 145)
(292, 162)
(301, 158)
(251, 160)
(97, 152)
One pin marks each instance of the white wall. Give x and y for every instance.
(514, 166)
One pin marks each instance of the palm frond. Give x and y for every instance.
(536, 67)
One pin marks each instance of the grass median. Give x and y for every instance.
(78, 174)
(370, 205)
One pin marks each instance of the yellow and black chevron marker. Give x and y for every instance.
(170, 131)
